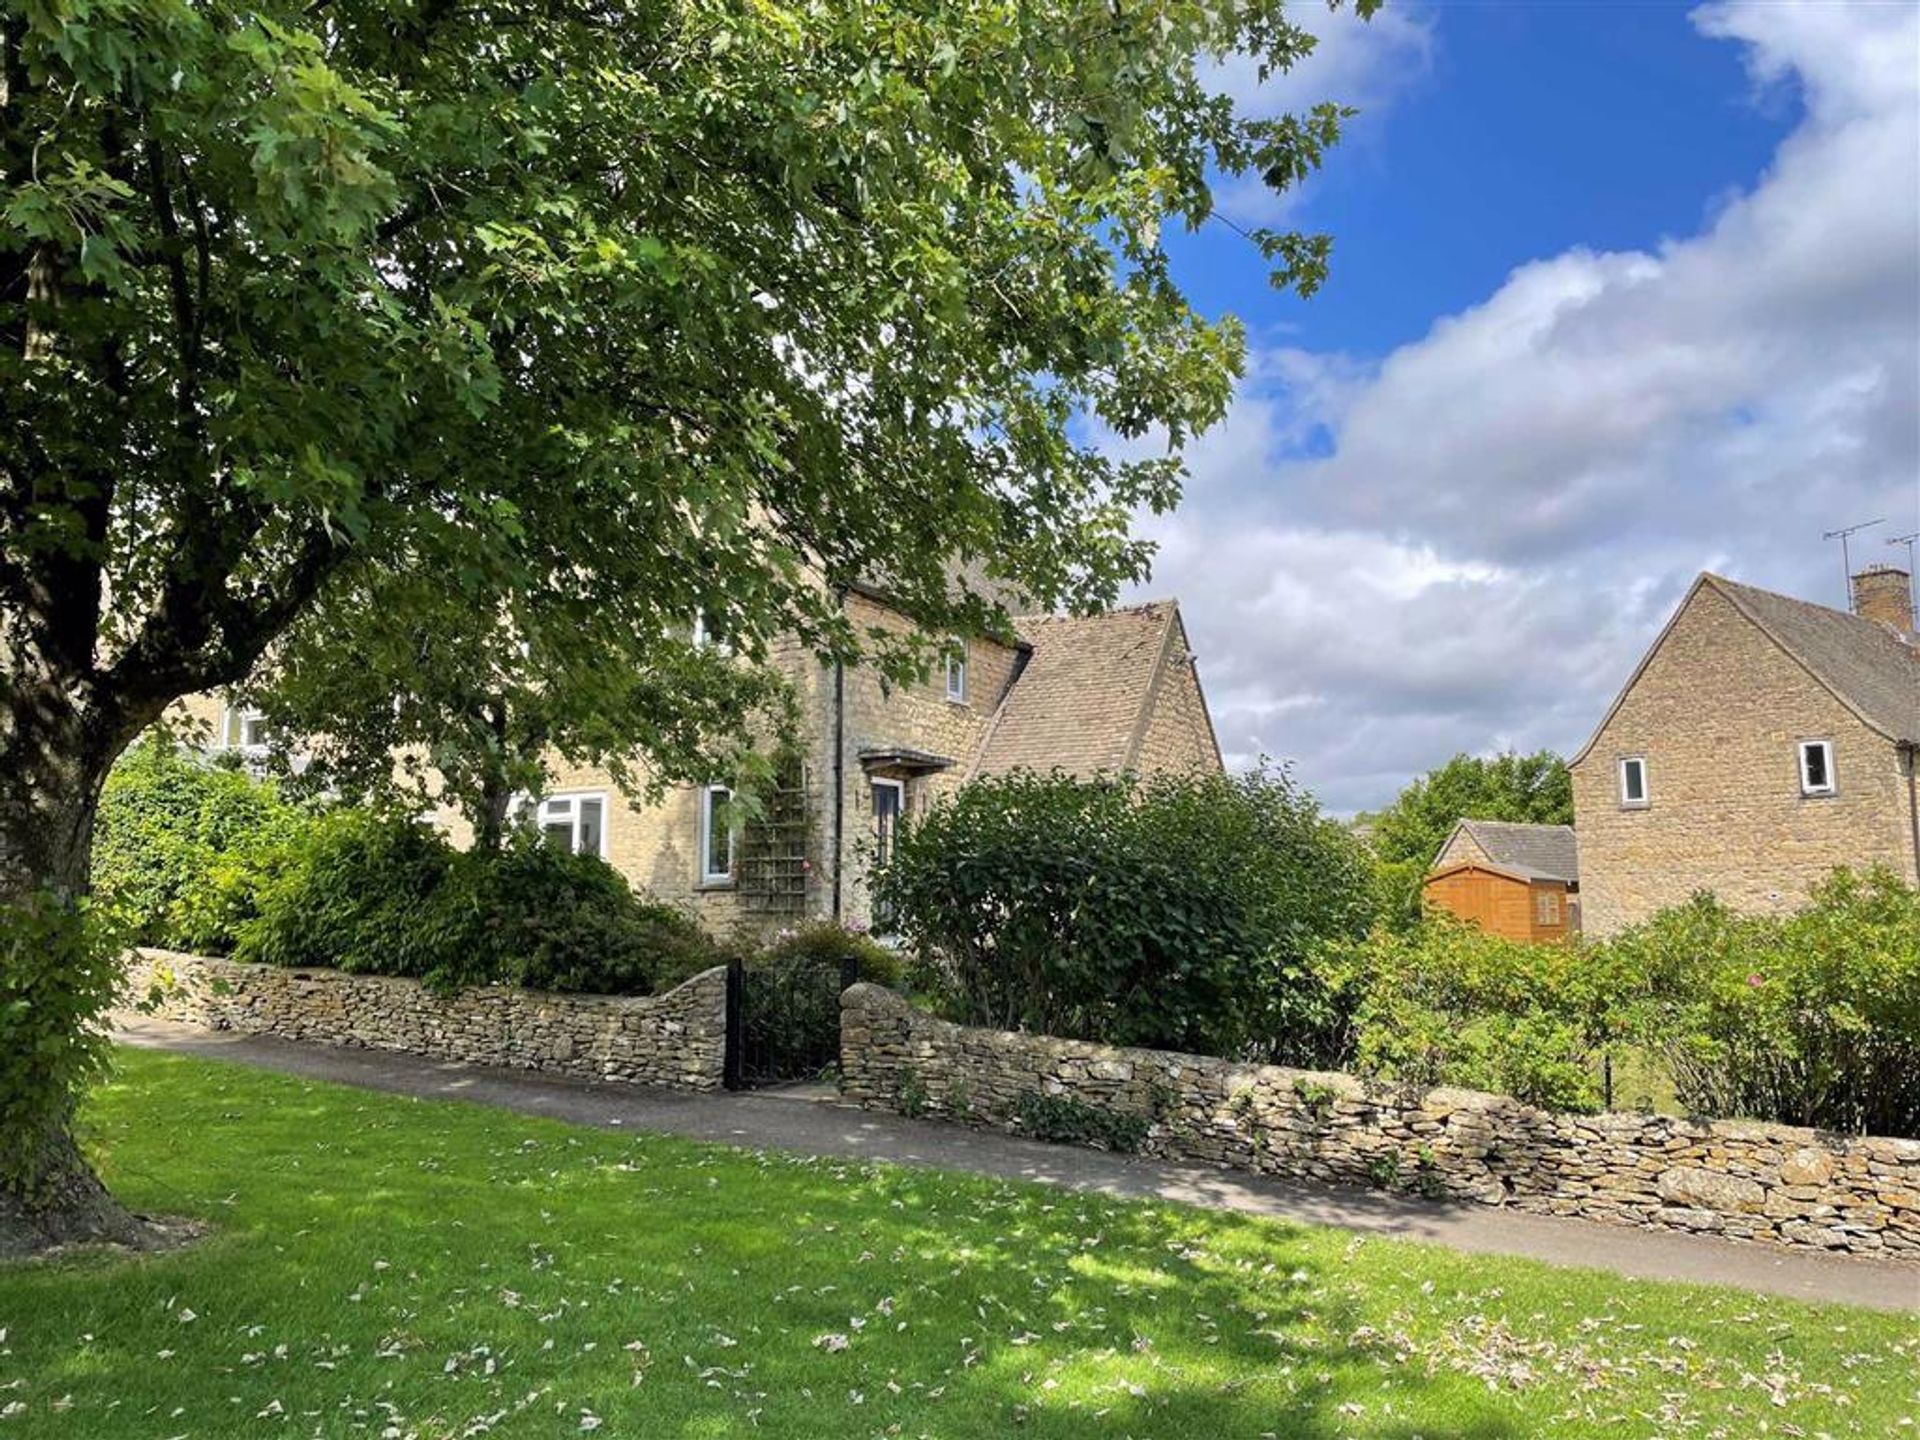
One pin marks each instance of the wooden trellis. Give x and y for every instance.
(773, 850)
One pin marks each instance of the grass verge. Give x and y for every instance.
(398, 1268)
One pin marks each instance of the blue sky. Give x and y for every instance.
(1526, 129)
(1620, 292)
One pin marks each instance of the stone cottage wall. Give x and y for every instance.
(678, 1039)
(1718, 714)
(1746, 1181)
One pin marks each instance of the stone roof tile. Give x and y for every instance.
(1542, 852)
(1865, 665)
(1079, 701)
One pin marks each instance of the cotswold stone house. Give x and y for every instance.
(1761, 742)
(1111, 692)
(1517, 881)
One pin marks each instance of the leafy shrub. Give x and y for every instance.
(552, 920)
(1808, 1019)
(791, 1005)
(1448, 1004)
(1178, 912)
(376, 895)
(167, 819)
(59, 965)
(207, 859)
(1069, 1121)
(829, 944)
(355, 891)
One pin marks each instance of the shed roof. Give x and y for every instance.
(1534, 852)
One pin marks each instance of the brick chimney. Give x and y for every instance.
(1885, 593)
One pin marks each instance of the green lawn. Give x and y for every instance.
(386, 1267)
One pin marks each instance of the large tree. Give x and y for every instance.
(1534, 789)
(637, 308)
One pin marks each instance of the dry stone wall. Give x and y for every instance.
(677, 1039)
(1746, 1181)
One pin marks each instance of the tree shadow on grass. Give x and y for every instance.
(427, 1266)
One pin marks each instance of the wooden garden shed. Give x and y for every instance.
(1521, 882)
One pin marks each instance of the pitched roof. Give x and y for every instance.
(1868, 668)
(1864, 665)
(1534, 852)
(1082, 700)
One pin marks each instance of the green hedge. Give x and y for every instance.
(1807, 1019)
(168, 820)
(1447, 1004)
(206, 859)
(1180, 913)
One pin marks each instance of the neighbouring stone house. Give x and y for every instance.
(1518, 881)
(1111, 692)
(1762, 741)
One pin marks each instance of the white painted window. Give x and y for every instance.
(1816, 767)
(1633, 781)
(956, 666)
(245, 730)
(1546, 908)
(708, 635)
(577, 823)
(717, 839)
(889, 804)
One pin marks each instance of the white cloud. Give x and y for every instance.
(1468, 544)
(1368, 64)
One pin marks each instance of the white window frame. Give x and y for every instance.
(899, 788)
(1832, 785)
(956, 670)
(244, 715)
(571, 799)
(704, 637)
(1645, 797)
(1546, 907)
(711, 879)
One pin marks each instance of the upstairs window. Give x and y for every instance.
(575, 823)
(245, 730)
(1633, 782)
(1816, 767)
(708, 634)
(716, 836)
(956, 667)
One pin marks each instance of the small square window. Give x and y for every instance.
(716, 836)
(1633, 781)
(956, 667)
(1546, 908)
(1816, 767)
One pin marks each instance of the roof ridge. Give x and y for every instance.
(1738, 594)
(1138, 607)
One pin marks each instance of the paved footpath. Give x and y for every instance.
(810, 1122)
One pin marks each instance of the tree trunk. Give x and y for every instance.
(51, 772)
(490, 825)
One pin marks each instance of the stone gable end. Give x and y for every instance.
(1718, 711)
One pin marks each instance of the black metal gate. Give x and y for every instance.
(783, 1020)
